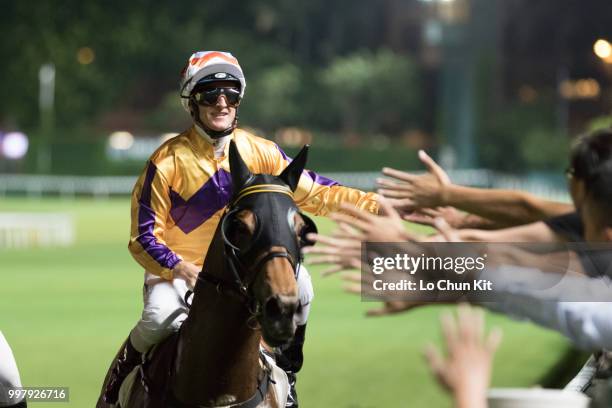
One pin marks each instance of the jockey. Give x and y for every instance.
(180, 197)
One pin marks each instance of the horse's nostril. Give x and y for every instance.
(272, 308)
(277, 307)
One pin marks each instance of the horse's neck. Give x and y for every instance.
(218, 354)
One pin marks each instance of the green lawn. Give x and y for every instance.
(66, 310)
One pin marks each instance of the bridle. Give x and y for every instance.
(234, 256)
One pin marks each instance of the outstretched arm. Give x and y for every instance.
(410, 192)
(533, 232)
(509, 207)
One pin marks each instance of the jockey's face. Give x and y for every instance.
(220, 115)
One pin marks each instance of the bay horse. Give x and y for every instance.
(246, 291)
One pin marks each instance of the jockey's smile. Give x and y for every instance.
(221, 114)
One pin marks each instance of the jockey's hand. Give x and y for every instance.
(466, 371)
(409, 192)
(186, 271)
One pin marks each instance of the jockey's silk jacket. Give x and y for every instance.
(180, 197)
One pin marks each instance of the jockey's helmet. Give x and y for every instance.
(209, 66)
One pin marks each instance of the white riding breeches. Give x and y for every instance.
(165, 308)
(9, 375)
(305, 294)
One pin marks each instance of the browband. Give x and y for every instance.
(262, 188)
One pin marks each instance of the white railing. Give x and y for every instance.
(65, 186)
(31, 230)
(105, 186)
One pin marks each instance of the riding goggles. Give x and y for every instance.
(209, 97)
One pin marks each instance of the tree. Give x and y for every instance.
(374, 92)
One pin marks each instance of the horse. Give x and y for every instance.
(246, 291)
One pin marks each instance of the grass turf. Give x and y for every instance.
(65, 311)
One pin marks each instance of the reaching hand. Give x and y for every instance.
(426, 216)
(343, 247)
(385, 227)
(361, 284)
(186, 271)
(445, 231)
(413, 191)
(466, 371)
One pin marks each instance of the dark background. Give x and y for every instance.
(481, 83)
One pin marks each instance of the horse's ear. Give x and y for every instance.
(291, 175)
(238, 168)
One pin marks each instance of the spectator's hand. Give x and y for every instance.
(361, 284)
(445, 233)
(409, 192)
(466, 371)
(186, 271)
(385, 227)
(342, 250)
(343, 247)
(426, 216)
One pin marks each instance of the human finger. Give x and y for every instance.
(419, 219)
(394, 193)
(355, 212)
(398, 174)
(431, 212)
(383, 182)
(388, 209)
(494, 339)
(445, 230)
(329, 241)
(402, 205)
(436, 363)
(352, 288)
(333, 270)
(351, 277)
(359, 224)
(434, 168)
(346, 231)
(449, 329)
(320, 250)
(466, 322)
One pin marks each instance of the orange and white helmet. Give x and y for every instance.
(216, 65)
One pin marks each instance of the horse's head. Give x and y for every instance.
(264, 232)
